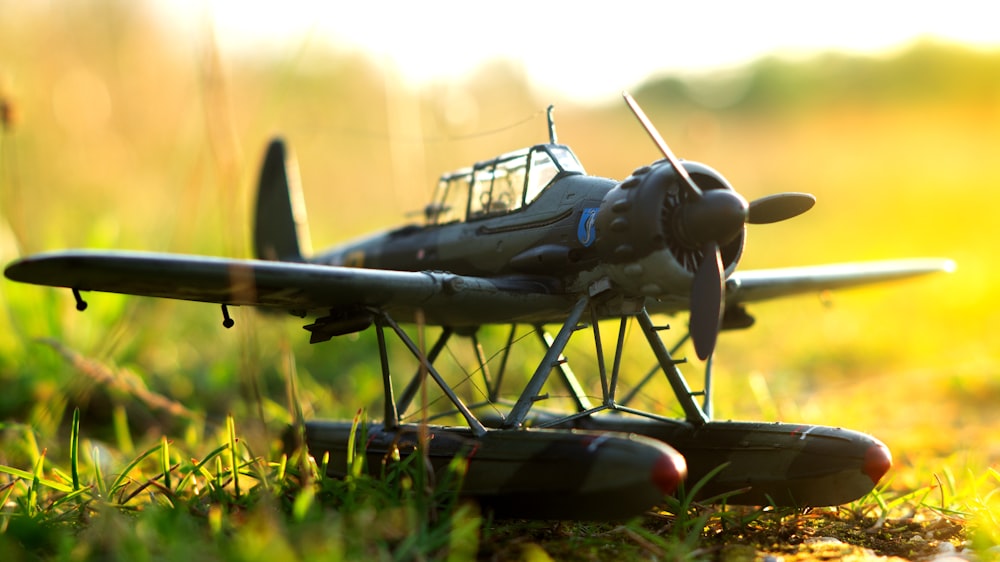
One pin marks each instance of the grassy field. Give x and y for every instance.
(143, 430)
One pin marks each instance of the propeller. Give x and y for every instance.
(779, 207)
(709, 220)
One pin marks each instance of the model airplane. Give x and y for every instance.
(528, 238)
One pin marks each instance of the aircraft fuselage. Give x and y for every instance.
(573, 234)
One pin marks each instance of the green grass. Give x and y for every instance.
(225, 502)
(171, 502)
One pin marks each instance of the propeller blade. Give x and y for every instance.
(779, 207)
(707, 295)
(661, 144)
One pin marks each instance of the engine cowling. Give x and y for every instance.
(641, 234)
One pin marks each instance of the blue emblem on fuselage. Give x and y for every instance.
(586, 231)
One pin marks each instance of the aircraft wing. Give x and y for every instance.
(444, 298)
(758, 285)
(300, 288)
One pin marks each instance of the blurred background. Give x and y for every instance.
(140, 125)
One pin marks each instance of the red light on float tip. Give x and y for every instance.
(668, 472)
(878, 461)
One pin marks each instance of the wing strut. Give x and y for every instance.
(520, 410)
(565, 372)
(653, 370)
(391, 419)
(477, 427)
(411, 389)
(494, 393)
(678, 383)
(554, 360)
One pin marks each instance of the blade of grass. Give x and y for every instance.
(69, 497)
(120, 481)
(282, 466)
(99, 472)
(166, 494)
(199, 468)
(234, 459)
(36, 477)
(355, 462)
(220, 482)
(5, 493)
(74, 449)
(255, 468)
(26, 475)
(119, 418)
(165, 461)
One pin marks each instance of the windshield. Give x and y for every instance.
(501, 185)
(452, 198)
(566, 159)
(546, 162)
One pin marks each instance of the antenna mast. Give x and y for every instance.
(552, 125)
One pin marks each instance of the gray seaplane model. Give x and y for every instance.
(529, 239)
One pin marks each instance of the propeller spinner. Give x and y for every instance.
(709, 220)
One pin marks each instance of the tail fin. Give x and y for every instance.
(281, 231)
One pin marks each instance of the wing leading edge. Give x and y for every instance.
(759, 285)
(296, 287)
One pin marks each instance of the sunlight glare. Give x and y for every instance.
(583, 53)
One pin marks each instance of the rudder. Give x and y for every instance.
(281, 231)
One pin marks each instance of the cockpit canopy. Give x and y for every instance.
(501, 185)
